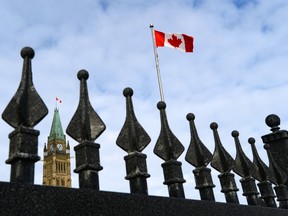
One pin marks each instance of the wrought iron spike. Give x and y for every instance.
(264, 173)
(85, 125)
(222, 160)
(197, 154)
(167, 147)
(132, 136)
(280, 176)
(26, 108)
(23, 112)
(243, 165)
(265, 176)
(245, 168)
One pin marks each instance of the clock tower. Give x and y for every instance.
(56, 167)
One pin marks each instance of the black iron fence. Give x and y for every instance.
(265, 187)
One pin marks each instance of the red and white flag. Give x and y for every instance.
(57, 99)
(182, 42)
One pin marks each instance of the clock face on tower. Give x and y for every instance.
(59, 147)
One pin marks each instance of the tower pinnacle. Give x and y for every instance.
(56, 131)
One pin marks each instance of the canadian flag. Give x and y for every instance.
(57, 99)
(182, 42)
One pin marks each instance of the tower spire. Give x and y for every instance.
(56, 131)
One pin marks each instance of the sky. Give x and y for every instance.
(235, 76)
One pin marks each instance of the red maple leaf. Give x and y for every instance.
(175, 41)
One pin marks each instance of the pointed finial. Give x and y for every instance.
(243, 165)
(246, 169)
(263, 171)
(197, 154)
(132, 136)
(264, 176)
(167, 146)
(26, 108)
(222, 160)
(273, 121)
(85, 125)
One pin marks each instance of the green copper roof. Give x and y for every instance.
(56, 131)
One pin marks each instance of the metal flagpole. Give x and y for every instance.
(56, 102)
(157, 64)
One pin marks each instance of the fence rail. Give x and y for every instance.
(264, 186)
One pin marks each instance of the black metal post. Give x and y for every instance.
(85, 127)
(169, 148)
(282, 195)
(199, 156)
(245, 168)
(264, 176)
(173, 177)
(136, 168)
(280, 178)
(229, 187)
(24, 111)
(267, 193)
(88, 164)
(133, 139)
(23, 154)
(223, 162)
(204, 183)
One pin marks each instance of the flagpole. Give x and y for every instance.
(157, 64)
(56, 102)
